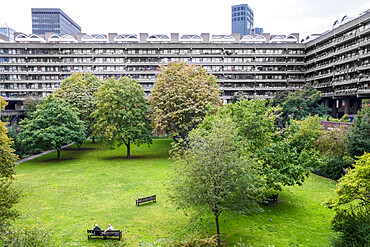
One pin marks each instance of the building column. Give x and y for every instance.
(347, 106)
(356, 104)
(334, 109)
(327, 103)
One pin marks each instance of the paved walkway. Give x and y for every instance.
(41, 154)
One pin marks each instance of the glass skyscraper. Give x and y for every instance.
(52, 20)
(242, 18)
(8, 32)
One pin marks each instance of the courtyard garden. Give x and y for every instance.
(99, 185)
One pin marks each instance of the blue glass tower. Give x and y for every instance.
(52, 20)
(242, 19)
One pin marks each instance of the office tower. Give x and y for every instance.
(52, 20)
(8, 32)
(257, 30)
(242, 18)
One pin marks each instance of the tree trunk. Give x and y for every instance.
(217, 230)
(58, 153)
(93, 139)
(128, 149)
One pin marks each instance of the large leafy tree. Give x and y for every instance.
(8, 196)
(255, 121)
(121, 114)
(181, 97)
(7, 157)
(80, 91)
(331, 142)
(54, 124)
(211, 175)
(355, 185)
(281, 164)
(301, 103)
(357, 140)
(352, 205)
(303, 134)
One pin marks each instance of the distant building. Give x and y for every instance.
(8, 32)
(52, 20)
(242, 19)
(257, 30)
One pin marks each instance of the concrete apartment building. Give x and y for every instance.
(337, 62)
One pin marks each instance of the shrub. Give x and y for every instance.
(36, 235)
(353, 227)
(334, 167)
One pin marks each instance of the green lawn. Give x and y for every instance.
(98, 185)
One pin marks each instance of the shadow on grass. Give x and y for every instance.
(55, 160)
(123, 158)
(76, 149)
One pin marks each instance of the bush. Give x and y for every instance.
(36, 235)
(353, 227)
(334, 167)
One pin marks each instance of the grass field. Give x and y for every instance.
(98, 185)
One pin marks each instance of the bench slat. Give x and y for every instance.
(114, 233)
(146, 199)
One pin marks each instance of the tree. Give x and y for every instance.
(211, 175)
(7, 157)
(54, 124)
(301, 103)
(303, 134)
(282, 165)
(121, 114)
(30, 105)
(255, 122)
(357, 140)
(181, 97)
(80, 91)
(352, 205)
(331, 142)
(354, 186)
(8, 198)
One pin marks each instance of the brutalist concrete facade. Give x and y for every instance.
(337, 63)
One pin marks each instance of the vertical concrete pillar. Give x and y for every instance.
(347, 106)
(356, 104)
(327, 103)
(334, 109)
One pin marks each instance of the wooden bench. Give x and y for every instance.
(101, 234)
(146, 199)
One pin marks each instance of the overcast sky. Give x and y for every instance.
(186, 17)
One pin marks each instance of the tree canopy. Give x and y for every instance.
(357, 140)
(303, 134)
(301, 103)
(80, 91)
(212, 175)
(7, 157)
(8, 196)
(54, 124)
(355, 185)
(181, 97)
(121, 114)
(255, 122)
